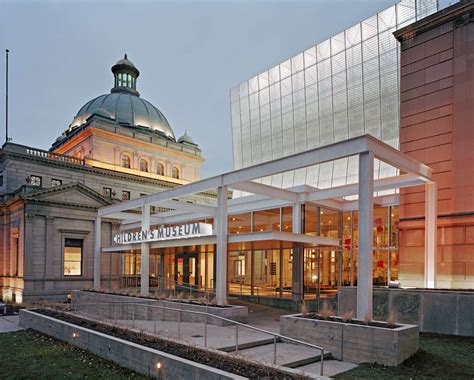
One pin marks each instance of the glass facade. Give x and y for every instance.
(265, 267)
(343, 87)
(267, 270)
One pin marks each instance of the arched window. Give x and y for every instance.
(143, 165)
(126, 161)
(175, 172)
(160, 169)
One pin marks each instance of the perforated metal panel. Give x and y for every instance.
(343, 87)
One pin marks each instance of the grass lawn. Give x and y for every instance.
(440, 356)
(29, 355)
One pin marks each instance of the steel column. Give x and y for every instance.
(220, 226)
(430, 235)
(365, 225)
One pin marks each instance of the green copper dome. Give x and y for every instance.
(124, 104)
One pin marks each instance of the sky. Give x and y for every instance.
(189, 53)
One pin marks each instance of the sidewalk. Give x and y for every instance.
(10, 324)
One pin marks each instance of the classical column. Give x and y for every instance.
(145, 248)
(49, 251)
(220, 225)
(430, 235)
(365, 226)
(97, 257)
(297, 268)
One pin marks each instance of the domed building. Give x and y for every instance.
(118, 147)
(124, 131)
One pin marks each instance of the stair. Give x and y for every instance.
(287, 354)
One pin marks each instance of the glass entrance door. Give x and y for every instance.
(186, 269)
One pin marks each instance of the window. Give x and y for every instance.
(126, 161)
(125, 195)
(56, 182)
(107, 192)
(175, 172)
(73, 257)
(160, 169)
(143, 165)
(35, 180)
(1, 180)
(16, 254)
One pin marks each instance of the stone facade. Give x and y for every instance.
(48, 197)
(35, 220)
(437, 78)
(102, 144)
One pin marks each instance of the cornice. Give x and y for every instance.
(109, 173)
(459, 12)
(111, 136)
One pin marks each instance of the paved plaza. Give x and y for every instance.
(9, 324)
(251, 344)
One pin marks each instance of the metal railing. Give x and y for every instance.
(97, 311)
(242, 288)
(259, 290)
(170, 286)
(54, 156)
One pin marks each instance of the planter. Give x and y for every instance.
(129, 311)
(127, 354)
(434, 310)
(353, 342)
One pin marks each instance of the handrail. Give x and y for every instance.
(187, 285)
(270, 288)
(207, 315)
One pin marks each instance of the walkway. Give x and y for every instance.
(9, 324)
(265, 317)
(252, 345)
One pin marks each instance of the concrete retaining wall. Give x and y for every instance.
(438, 311)
(354, 343)
(235, 313)
(127, 354)
(286, 303)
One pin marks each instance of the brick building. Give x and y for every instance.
(437, 112)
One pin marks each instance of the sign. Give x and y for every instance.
(188, 230)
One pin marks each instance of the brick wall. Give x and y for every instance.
(436, 127)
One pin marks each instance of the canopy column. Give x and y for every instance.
(365, 225)
(145, 248)
(220, 225)
(297, 269)
(430, 234)
(97, 257)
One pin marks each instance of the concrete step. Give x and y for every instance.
(287, 354)
(248, 345)
(331, 367)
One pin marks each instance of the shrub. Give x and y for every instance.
(327, 310)
(304, 309)
(367, 319)
(347, 316)
(392, 318)
(181, 296)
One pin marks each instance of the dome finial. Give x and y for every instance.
(125, 76)
(186, 138)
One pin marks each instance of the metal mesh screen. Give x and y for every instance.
(343, 87)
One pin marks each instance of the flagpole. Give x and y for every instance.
(6, 96)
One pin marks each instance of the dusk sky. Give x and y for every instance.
(189, 53)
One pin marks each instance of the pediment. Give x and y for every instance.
(74, 194)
